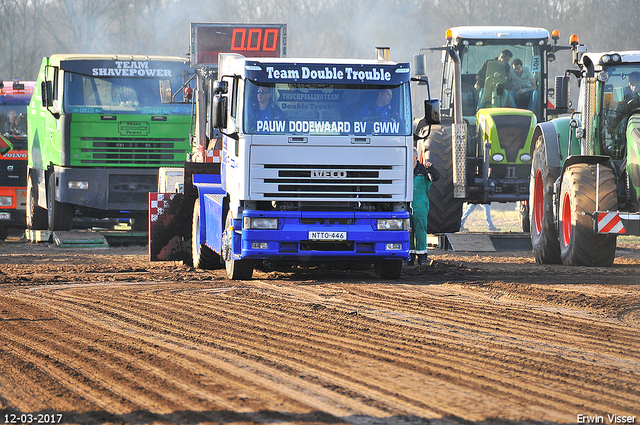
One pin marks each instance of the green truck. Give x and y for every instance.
(97, 134)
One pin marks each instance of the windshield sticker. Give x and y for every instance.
(131, 69)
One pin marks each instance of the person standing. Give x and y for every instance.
(487, 216)
(423, 177)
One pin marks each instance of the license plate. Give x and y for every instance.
(328, 236)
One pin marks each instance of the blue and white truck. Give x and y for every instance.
(325, 177)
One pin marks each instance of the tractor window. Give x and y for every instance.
(481, 89)
(620, 97)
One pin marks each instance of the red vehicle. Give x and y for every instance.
(15, 95)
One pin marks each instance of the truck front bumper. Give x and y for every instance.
(323, 236)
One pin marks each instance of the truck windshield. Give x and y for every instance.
(327, 109)
(620, 97)
(85, 94)
(13, 124)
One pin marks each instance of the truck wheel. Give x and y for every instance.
(544, 237)
(203, 257)
(388, 269)
(445, 211)
(59, 214)
(523, 216)
(236, 269)
(579, 246)
(36, 216)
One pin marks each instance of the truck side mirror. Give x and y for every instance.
(220, 87)
(46, 88)
(219, 112)
(432, 111)
(562, 92)
(419, 65)
(165, 91)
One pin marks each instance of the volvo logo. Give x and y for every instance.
(328, 174)
(10, 168)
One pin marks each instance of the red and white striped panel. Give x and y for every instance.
(212, 155)
(156, 204)
(610, 223)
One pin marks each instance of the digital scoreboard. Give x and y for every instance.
(251, 40)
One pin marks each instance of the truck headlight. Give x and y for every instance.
(6, 201)
(262, 223)
(5, 216)
(392, 224)
(76, 184)
(497, 157)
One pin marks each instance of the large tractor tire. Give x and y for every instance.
(445, 211)
(236, 269)
(59, 214)
(579, 246)
(203, 257)
(36, 215)
(544, 237)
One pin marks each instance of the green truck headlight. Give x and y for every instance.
(76, 184)
(261, 223)
(6, 201)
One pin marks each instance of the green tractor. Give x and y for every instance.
(482, 147)
(585, 176)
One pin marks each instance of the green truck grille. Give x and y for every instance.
(140, 152)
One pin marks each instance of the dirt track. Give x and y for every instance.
(104, 336)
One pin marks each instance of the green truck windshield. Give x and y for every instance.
(111, 95)
(327, 109)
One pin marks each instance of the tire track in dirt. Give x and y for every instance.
(255, 373)
(263, 308)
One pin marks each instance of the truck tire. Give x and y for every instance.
(388, 269)
(236, 269)
(523, 216)
(445, 211)
(36, 215)
(544, 237)
(202, 256)
(59, 214)
(579, 246)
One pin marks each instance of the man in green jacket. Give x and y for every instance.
(423, 177)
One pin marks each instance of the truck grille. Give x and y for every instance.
(326, 175)
(133, 152)
(329, 181)
(13, 173)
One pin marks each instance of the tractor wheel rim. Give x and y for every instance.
(566, 219)
(538, 202)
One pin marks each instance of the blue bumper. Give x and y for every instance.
(322, 236)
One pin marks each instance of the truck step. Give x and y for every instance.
(67, 239)
(484, 242)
